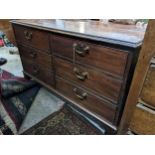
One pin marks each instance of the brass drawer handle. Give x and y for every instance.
(80, 75)
(28, 35)
(80, 49)
(33, 54)
(80, 95)
(35, 70)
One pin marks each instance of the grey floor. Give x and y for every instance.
(45, 102)
(44, 105)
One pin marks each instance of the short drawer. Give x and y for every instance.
(148, 91)
(110, 60)
(32, 37)
(39, 72)
(143, 120)
(86, 99)
(98, 82)
(36, 56)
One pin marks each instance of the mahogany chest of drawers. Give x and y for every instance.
(87, 63)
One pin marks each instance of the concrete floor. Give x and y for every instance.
(45, 102)
(14, 64)
(44, 105)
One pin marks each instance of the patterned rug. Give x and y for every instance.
(64, 122)
(16, 96)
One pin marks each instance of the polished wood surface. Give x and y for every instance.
(143, 120)
(128, 35)
(91, 102)
(109, 60)
(146, 54)
(37, 62)
(39, 71)
(32, 37)
(95, 81)
(37, 56)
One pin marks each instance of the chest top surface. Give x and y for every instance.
(127, 35)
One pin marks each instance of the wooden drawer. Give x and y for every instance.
(143, 121)
(148, 91)
(89, 78)
(36, 56)
(32, 37)
(38, 71)
(86, 99)
(110, 60)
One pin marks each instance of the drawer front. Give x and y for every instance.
(32, 37)
(98, 82)
(108, 59)
(143, 121)
(148, 91)
(38, 71)
(86, 99)
(36, 56)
